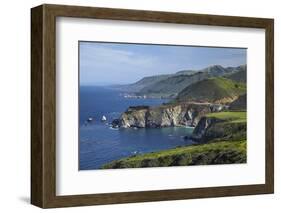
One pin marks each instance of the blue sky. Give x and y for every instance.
(116, 63)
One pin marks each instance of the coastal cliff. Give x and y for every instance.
(221, 139)
(184, 114)
(221, 126)
(212, 100)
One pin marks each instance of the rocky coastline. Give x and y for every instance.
(169, 115)
(213, 101)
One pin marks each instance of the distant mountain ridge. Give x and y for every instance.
(171, 85)
(240, 75)
(186, 72)
(144, 82)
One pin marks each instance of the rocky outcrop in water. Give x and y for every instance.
(185, 114)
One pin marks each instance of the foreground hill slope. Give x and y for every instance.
(207, 154)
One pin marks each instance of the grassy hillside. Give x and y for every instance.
(233, 117)
(205, 154)
(221, 137)
(217, 90)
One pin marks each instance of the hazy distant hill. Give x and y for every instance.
(218, 70)
(172, 85)
(240, 75)
(215, 90)
(144, 82)
(186, 72)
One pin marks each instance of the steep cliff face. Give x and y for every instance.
(202, 127)
(136, 118)
(163, 116)
(240, 103)
(221, 126)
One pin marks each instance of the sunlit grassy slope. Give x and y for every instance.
(218, 89)
(234, 117)
(225, 152)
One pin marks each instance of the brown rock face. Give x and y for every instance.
(164, 115)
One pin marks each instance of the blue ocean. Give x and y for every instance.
(99, 143)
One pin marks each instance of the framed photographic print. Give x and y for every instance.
(136, 106)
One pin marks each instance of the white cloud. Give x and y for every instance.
(92, 56)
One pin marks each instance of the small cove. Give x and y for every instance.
(100, 144)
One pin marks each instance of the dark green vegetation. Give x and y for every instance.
(207, 154)
(214, 90)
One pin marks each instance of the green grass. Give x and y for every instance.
(230, 126)
(190, 149)
(228, 84)
(233, 117)
(213, 90)
(223, 152)
(172, 85)
(224, 143)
